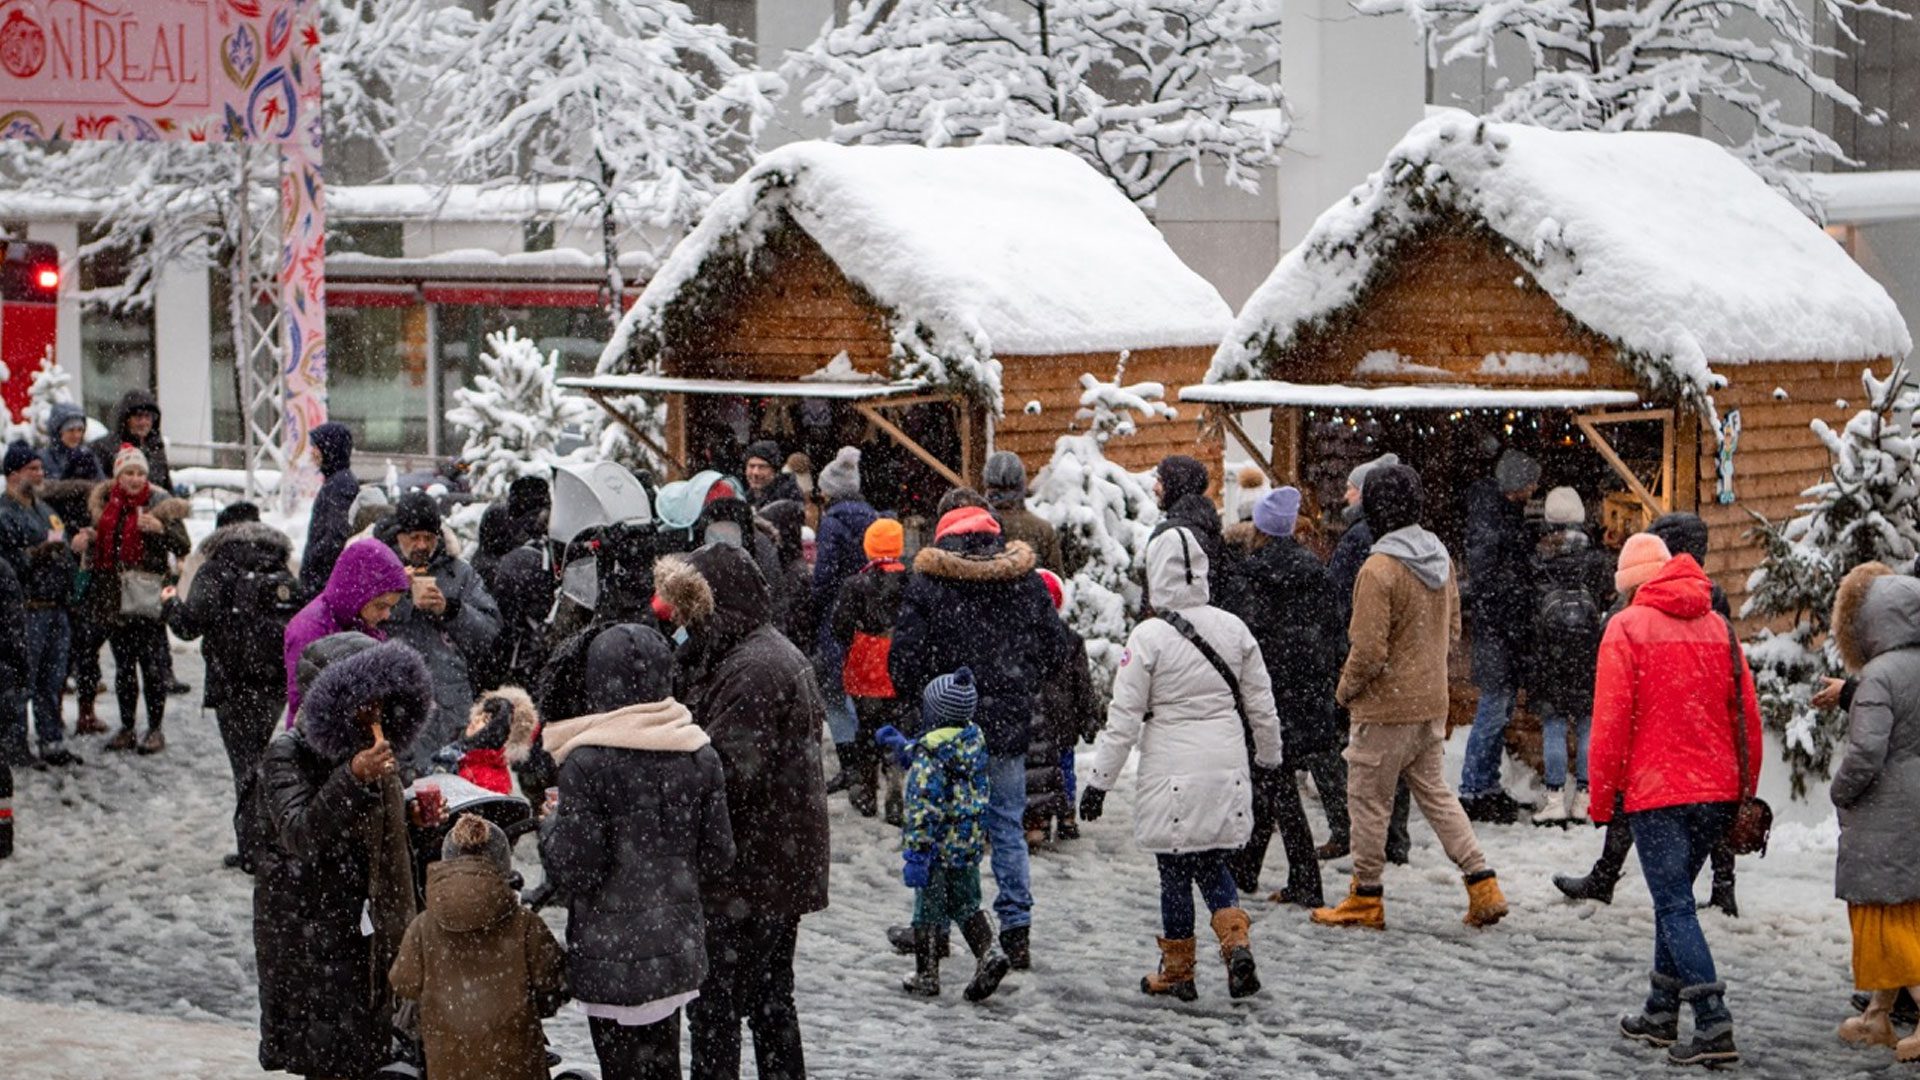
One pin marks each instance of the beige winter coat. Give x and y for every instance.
(1403, 627)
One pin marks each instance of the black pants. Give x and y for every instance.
(1276, 805)
(1329, 772)
(140, 644)
(1619, 844)
(648, 1052)
(246, 720)
(83, 658)
(749, 977)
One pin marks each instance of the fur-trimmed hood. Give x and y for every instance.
(1874, 611)
(254, 533)
(519, 729)
(393, 675)
(1010, 563)
(681, 588)
(164, 506)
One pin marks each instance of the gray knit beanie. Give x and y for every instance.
(841, 478)
(1005, 477)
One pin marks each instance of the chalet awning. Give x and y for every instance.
(799, 388)
(1267, 393)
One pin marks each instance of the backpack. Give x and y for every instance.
(1567, 630)
(275, 596)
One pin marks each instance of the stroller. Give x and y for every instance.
(515, 817)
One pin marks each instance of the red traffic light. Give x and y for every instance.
(47, 278)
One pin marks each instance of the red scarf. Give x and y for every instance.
(119, 542)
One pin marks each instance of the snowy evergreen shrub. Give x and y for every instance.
(1637, 64)
(1140, 89)
(1104, 514)
(50, 386)
(513, 414)
(1864, 513)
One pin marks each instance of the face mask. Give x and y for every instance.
(680, 636)
(580, 582)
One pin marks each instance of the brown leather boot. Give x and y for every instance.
(1365, 906)
(127, 739)
(1175, 977)
(1871, 1028)
(1486, 905)
(89, 722)
(1230, 926)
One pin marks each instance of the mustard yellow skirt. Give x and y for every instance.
(1886, 945)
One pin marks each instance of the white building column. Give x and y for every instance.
(1354, 85)
(183, 363)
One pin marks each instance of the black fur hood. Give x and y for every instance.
(392, 674)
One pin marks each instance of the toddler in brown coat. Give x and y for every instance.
(483, 966)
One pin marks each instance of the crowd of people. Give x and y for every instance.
(653, 672)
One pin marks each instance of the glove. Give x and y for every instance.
(1093, 803)
(916, 869)
(889, 739)
(1265, 777)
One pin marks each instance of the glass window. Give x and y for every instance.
(377, 376)
(116, 348)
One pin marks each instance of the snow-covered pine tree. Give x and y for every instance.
(1636, 64)
(1141, 89)
(643, 109)
(1104, 514)
(1865, 512)
(513, 414)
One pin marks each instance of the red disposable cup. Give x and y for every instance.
(433, 804)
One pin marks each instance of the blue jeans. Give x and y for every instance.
(842, 722)
(1674, 843)
(47, 642)
(1553, 732)
(1006, 806)
(1179, 874)
(1480, 772)
(1072, 781)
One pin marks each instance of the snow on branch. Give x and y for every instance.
(1140, 89)
(514, 414)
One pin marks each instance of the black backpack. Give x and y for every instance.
(1566, 633)
(274, 595)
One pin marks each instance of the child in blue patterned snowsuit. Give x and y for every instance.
(944, 835)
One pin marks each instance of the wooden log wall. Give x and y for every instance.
(1054, 382)
(1448, 298)
(1778, 455)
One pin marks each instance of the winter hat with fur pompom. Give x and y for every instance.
(841, 478)
(475, 835)
(129, 457)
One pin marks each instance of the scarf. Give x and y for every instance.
(119, 543)
(390, 899)
(648, 725)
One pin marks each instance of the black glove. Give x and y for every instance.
(1093, 803)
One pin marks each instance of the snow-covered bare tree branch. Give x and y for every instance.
(1139, 88)
(1616, 65)
(643, 107)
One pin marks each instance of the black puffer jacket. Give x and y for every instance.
(13, 632)
(754, 694)
(325, 1009)
(639, 826)
(234, 603)
(523, 587)
(792, 583)
(973, 602)
(153, 446)
(1291, 607)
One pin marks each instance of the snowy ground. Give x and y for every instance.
(125, 950)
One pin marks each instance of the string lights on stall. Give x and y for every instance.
(1426, 422)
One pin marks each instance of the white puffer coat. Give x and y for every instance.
(1195, 793)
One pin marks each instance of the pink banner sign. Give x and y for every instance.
(205, 71)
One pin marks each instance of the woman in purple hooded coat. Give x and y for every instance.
(366, 582)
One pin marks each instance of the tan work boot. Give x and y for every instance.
(1175, 976)
(1871, 1028)
(1486, 905)
(1230, 926)
(1364, 906)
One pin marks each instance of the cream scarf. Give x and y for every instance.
(649, 725)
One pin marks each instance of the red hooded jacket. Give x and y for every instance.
(1662, 729)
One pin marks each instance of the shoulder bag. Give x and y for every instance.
(1753, 818)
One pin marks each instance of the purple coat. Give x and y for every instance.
(366, 569)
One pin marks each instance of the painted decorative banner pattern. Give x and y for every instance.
(204, 71)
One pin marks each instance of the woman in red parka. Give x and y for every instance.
(1671, 679)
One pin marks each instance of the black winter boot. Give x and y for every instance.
(925, 980)
(1013, 940)
(991, 965)
(1722, 898)
(901, 938)
(1589, 887)
(861, 767)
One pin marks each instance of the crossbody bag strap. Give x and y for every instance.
(1186, 629)
(1736, 708)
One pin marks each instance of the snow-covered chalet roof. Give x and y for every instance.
(1665, 244)
(978, 252)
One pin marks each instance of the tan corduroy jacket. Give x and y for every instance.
(1402, 630)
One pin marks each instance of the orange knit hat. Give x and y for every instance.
(885, 539)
